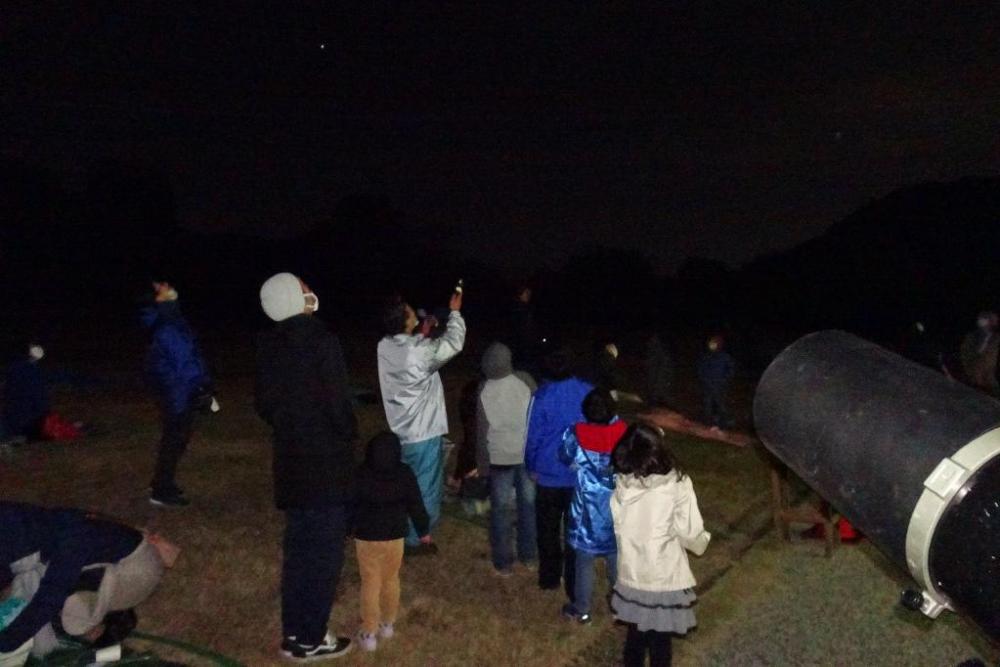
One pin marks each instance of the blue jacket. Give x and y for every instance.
(25, 397)
(555, 407)
(174, 364)
(716, 368)
(587, 449)
(66, 540)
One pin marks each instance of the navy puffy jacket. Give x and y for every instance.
(174, 363)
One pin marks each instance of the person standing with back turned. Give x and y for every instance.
(413, 397)
(302, 392)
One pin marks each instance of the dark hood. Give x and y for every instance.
(384, 453)
(496, 362)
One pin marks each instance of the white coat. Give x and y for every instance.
(656, 518)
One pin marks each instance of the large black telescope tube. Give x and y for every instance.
(908, 455)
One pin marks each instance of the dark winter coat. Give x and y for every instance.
(25, 397)
(174, 363)
(302, 393)
(66, 541)
(387, 494)
(716, 369)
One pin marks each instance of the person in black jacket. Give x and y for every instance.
(387, 495)
(74, 570)
(302, 393)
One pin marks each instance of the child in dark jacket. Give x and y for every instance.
(587, 448)
(387, 495)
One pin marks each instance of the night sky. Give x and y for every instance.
(710, 129)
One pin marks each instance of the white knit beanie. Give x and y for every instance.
(281, 297)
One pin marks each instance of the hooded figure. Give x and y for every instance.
(387, 496)
(387, 493)
(503, 409)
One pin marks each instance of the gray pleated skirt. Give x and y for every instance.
(667, 611)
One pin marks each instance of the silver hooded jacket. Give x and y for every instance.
(412, 393)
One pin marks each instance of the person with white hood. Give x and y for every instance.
(302, 392)
(502, 422)
(413, 397)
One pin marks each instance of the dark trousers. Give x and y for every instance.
(177, 430)
(556, 558)
(714, 404)
(313, 557)
(637, 643)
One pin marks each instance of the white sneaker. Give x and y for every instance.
(330, 647)
(386, 631)
(365, 641)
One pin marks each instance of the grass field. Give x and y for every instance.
(780, 604)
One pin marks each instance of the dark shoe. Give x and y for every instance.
(331, 647)
(421, 550)
(549, 586)
(568, 611)
(171, 500)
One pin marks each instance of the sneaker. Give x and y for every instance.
(386, 631)
(331, 647)
(366, 641)
(171, 500)
(568, 611)
(529, 566)
(584, 619)
(503, 572)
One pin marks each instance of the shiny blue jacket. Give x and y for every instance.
(174, 364)
(555, 407)
(587, 449)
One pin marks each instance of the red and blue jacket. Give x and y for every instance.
(587, 450)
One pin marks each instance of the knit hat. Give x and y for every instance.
(281, 297)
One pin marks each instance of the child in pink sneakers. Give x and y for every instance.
(387, 495)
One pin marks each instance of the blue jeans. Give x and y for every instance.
(585, 577)
(425, 459)
(512, 492)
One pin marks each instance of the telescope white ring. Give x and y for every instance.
(940, 488)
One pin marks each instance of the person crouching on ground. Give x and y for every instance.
(302, 392)
(180, 378)
(76, 572)
(587, 449)
(387, 495)
(502, 420)
(413, 398)
(657, 521)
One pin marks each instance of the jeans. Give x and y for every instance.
(177, 431)
(379, 563)
(512, 493)
(427, 463)
(555, 555)
(313, 558)
(585, 577)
